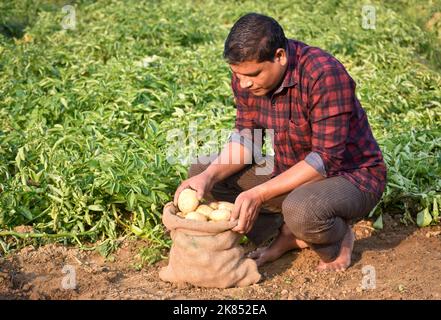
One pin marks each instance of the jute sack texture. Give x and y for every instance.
(206, 254)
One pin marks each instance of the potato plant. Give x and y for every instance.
(85, 113)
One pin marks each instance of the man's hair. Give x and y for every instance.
(254, 37)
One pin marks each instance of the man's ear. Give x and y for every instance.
(281, 56)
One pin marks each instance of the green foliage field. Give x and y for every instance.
(84, 113)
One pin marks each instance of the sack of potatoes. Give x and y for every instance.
(205, 251)
(190, 208)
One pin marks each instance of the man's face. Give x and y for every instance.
(261, 77)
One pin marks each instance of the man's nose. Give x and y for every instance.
(245, 83)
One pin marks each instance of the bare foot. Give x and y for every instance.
(343, 261)
(284, 242)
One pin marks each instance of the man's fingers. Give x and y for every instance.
(240, 224)
(235, 215)
(236, 210)
(248, 226)
(200, 194)
(250, 221)
(239, 228)
(243, 217)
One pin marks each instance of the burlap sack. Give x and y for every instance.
(206, 254)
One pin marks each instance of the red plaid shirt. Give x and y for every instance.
(315, 109)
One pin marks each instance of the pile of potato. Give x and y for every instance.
(190, 208)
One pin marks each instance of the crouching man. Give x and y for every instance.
(327, 167)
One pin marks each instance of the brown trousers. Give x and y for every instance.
(317, 213)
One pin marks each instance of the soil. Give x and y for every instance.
(404, 262)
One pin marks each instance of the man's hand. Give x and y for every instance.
(201, 183)
(246, 208)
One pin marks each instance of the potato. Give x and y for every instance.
(187, 201)
(214, 205)
(226, 205)
(193, 215)
(204, 209)
(220, 215)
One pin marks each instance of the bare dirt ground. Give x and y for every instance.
(404, 261)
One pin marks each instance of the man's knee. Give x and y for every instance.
(302, 216)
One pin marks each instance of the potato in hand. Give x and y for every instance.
(187, 201)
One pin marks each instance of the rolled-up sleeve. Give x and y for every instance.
(333, 101)
(315, 161)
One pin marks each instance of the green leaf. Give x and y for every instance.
(378, 224)
(56, 190)
(80, 226)
(137, 231)
(95, 207)
(131, 201)
(424, 218)
(55, 198)
(95, 164)
(25, 212)
(87, 218)
(63, 102)
(179, 112)
(435, 212)
(20, 157)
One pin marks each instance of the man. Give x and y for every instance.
(328, 168)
